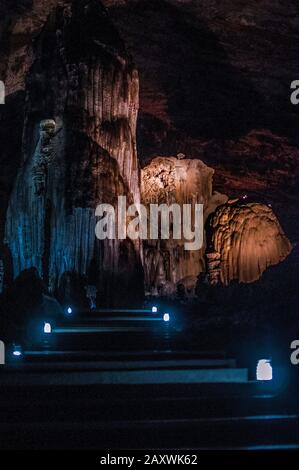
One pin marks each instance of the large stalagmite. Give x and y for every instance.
(79, 150)
(249, 239)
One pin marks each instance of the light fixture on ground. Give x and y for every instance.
(264, 370)
(154, 309)
(17, 351)
(47, 328)
(166, 317)
(69, 310)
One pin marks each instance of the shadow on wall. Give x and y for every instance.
(187, 81)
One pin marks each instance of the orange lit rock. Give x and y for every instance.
(184, 181)
(249, 239)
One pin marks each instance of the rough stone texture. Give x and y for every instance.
(215, 78)
(238, 58)
(182, 181)
(215, 84)
(259, 161)
(211, 68)
(83, 80)
(249, 239)
(21, 22)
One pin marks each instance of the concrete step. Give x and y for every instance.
(130, 376)
(80, 362)
(90, 358)
(86, 329)
(262, 431)
(112, 314)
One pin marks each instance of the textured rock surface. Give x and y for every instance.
(239, 59)
(215, 79)
(259, 161)
(182, 181)
(215, 84)
(21, 22)
(82, 79)
(249, 239)
(211, 68)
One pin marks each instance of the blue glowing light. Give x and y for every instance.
(17, 351)
(47, 328)
(69, 310)
(264, 370)
(154, 309)
(166, 317)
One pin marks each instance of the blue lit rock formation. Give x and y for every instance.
(84, 87)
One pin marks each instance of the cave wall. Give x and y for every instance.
(204, 91)
(240, 57)
(213, 75)
(215, 85)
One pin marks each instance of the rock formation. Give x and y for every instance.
(248, 239)
(241, 239)
(79, 150)
(183, 181)
(71, 82)
(213, 267)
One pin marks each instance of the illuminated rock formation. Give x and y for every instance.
(182, 181)
(213, 267)
(245, 238)
(43, 155)
(79, 148)
(249, 239)
(84, 86)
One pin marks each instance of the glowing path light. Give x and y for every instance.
(264, 370)
(69, 310)
(166, 317)
(154, 309)
(17, 351)
(47, 328)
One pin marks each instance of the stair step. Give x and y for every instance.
(113, 364)
(149, 376)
